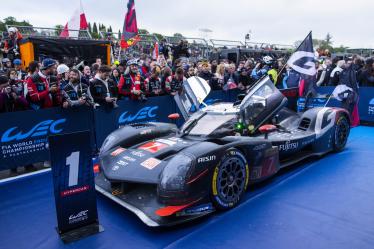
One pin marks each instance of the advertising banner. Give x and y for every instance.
(23, 135)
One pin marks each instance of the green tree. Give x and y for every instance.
(110, 29)
(119, 34)
(159, 36)
(58, 28)
(95, 33)
(341, 49)
(179, 35)
(143, 32)
(89, 27)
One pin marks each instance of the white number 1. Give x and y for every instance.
(73, 162)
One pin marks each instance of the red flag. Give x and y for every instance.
(130, 28)
(77, 22)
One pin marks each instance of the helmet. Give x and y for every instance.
(267, 59)
(62, 68)
(12, 29)
(47, 63)
(17, 62)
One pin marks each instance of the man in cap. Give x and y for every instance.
(17, 66)
(6, 65)
(42, 93)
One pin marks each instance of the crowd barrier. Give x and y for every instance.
(23, 135)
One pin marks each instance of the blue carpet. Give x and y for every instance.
(326, 203)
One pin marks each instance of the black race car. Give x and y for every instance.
(167, 175)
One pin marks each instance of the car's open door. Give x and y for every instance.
(195, 90)
(261, 103)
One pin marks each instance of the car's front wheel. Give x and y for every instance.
(230, 180)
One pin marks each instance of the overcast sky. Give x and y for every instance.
(274, 21)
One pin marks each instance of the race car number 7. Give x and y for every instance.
(73, 162)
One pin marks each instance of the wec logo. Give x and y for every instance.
(41, 129)
(371, 107)
(144, 113)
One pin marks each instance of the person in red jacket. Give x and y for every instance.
(42, 93)
(131, 83)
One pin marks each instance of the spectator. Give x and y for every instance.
(6, 64)
(231, 78)
(153, 83)
(5, 91)
(17, 66)
(173, 84)
(86, 76)
(205, 73)
(42, 93)
(76, 93)
(103, 89)
(115, 76)
(219, 77)
(334, 76)
(63, 75)
(18, 101)
(132, 83)
(98, 62)
(366, 76)
(32, 68)
(11, 47)
(244, 79)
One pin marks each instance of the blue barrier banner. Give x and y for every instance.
(73, 180)
(23, 135)
(154, 109)
(366, 104)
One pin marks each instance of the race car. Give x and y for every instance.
(167, 175)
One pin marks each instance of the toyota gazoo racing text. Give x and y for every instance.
(167, 175)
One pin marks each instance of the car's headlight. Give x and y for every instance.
(174, 175)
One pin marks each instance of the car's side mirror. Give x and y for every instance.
(174, 116)
(266, 129)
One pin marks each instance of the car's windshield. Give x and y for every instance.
(209, 123)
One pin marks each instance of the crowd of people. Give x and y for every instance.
(51, 83)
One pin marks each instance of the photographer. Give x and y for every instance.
(16, 94)
(6, 65)
(132, 83)
(11, 47)
(43, 91)
(103, 90)
(76, 93)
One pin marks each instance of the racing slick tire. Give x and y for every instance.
(230, 180)
(342, 128)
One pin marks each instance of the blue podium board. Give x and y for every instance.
(74, 187)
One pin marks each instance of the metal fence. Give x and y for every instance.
(31, 31)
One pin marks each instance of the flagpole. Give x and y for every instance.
(284, 66)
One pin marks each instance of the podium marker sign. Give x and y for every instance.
(74, 188)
